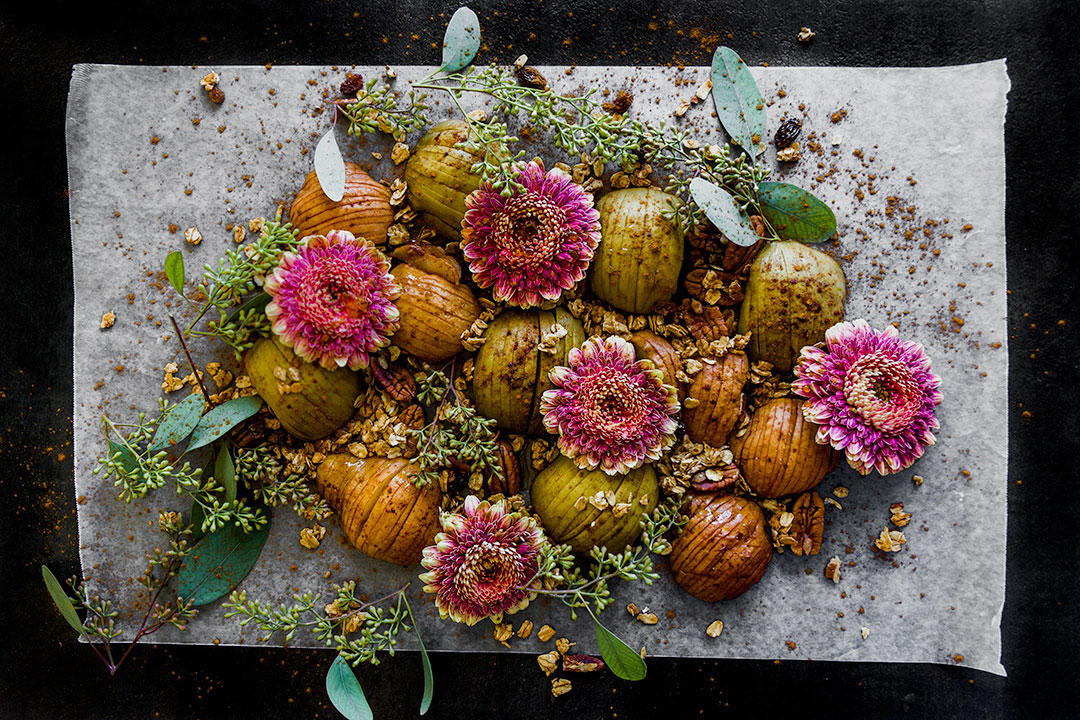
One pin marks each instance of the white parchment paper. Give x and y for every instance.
(911, 148)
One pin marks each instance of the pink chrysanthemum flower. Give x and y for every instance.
(333, 300)
(535, 244)
(484, 562)
(608, 410)
(872, 394)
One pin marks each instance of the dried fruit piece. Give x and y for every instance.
(788, 132)
(352, 85)
(620, 104)
(531, 77)
(582, 663)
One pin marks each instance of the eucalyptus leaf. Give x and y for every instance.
(255, 302)
(225, 472)
(429, 678)
(174, 270)
(219, 562)
(461, 40)
(222, 419)
(623, 660)
(796, 214)
(198, 514)
(723, 212)
(62, 601)
(345, 692)
(739, 103)
(330, 167)
(179, 421)
(128, 461)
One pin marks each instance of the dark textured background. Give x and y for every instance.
(44, 673)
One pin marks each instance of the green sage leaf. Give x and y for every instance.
(739, 103)
(623, 660)
(796, 214)
(219, 562)
(429, 677)
(225, 472)
(179, 421)
(461, 40)
(330, 167)
(222, 419)
(723, 212)
(62, 601)
(345, 692)
(174, 270)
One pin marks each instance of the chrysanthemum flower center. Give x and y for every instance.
(883, 391)
(528, 231)
(332, 296)
(488, 571)
(611, 404)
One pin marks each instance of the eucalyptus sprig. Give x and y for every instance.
(137, 467)
(262, 470)
(564, 579)
(99, 622)
(377, 108)
(231, 286)
(456, 435)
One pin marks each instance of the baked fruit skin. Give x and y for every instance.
(724, 548)
(364, 209)
(778, 454)
(380, 510)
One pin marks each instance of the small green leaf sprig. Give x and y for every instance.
(590, 589)
(263, 472)
(360, 630)
(136, 468)
(377, 108)
(99, 623)
(456, 435)
(241, 320)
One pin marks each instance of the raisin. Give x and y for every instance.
(788, 133)
(217, 95)
(620, 104)
(531, 77)
(352, 85)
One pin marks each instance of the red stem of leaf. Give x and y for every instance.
(194, 370)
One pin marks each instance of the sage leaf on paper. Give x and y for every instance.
(174, 270)
(219, 562)
(222, 419)
(461, 40)
(623, 660)
(795, 213)
(330, 167)
(62, 601)
(179, 421)
(739, 103)
(723, 212)
(345, 692)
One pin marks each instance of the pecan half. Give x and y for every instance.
(395, 379)
(809, 524)
(704, 322)
(715, 479)
(582, 663)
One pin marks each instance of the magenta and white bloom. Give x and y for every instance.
(333, 300)
(608, 410)
(872, 394)
(484, 563)
(534, 244)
